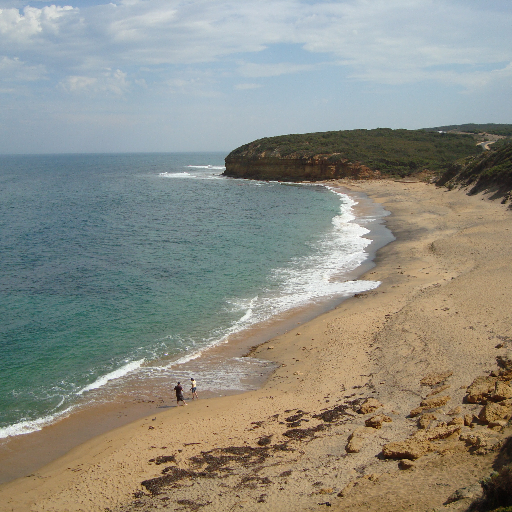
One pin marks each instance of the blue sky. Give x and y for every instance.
(207, 75)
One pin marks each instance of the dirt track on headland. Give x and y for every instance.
(441, 314)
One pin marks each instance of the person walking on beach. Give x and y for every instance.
(179, 394)
(193, 388)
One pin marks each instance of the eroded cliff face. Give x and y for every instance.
(295, 167)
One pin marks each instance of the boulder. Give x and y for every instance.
(481, 442)
(458, 420)
(406, 464)
(425, 420)
(416, 412)
(502, 391)
(481, 389)
(377, 421)
(418, 444)
(439, 432)
(469, 419)
(407, 449)
(430, 403)
(493, 412)
(357, 439)
(432, 379)
(435, 402)
(474, 440)
(369, 405)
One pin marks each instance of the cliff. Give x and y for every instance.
(356, 154)
(296, 168)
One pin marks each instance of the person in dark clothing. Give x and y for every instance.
(179, 394)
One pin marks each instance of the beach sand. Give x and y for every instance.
(442, 312)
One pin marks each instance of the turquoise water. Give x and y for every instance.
(115, 266)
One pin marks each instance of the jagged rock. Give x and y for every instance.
(406, 464)
(432, 379)
(502, 391)
(459, 420)
(430, 403)
(481, 442)
(455, 411)
(435, 402)
(492, 412)
(418, 444)
(377, 421)
(369, 405)
(481, 389)
(425, 420)
(474, 440)
(357, 439)
(498, 423)
(439, 432)
(407, 449)
(469, 419)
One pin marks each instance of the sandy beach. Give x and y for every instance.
(369, 408)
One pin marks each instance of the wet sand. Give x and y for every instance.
(442, 308)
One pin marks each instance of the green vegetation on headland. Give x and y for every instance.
(490, 171)
(491, 128)
(478, 156)
(390, 152)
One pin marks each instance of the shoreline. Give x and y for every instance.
(24, 454)
(432, 313)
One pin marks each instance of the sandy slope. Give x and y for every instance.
(443, 307)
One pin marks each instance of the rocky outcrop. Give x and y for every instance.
(369, 405)
(357, 439)
(377, 421)
(295, 167)
(481, 389)
(418, 444)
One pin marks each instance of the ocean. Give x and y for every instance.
(120, 271)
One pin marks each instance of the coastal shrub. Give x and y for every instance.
(494, 129)
(498, 489)
(492, 168)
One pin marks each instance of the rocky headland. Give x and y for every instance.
(353, 154)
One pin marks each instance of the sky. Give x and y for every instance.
(80, 76)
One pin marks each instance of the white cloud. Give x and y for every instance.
(265, 70)
(108, 82)
(388, 41)
(21, 27)
(246, 87)
(14, 70)
(195, 85)
(166, 57)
